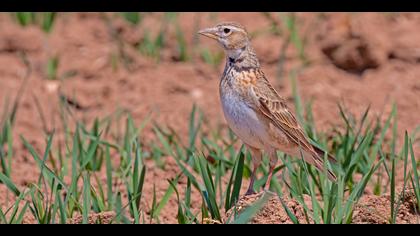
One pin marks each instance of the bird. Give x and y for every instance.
(254, 110)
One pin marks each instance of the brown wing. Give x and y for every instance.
(275, 109)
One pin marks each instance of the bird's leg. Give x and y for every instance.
(272, 165)
(250, 190)
(256, 162)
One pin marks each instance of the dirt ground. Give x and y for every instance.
(371, 209)
(357, 59)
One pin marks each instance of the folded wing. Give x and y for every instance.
(275, 109)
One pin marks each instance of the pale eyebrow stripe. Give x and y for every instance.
(236, 28)
(232, 25)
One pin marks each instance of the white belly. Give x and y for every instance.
(244, 121)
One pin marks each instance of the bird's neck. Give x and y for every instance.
(242, 58)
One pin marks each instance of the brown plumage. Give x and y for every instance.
(253, 109)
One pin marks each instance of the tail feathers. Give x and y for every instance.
(331, 176)
(316, 158)
(319, 165)
(321, 153)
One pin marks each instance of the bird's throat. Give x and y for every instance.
(242, 58)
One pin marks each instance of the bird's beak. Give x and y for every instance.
(209, 32)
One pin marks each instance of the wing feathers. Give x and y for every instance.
(275, 109)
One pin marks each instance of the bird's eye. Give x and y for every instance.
(226, 30)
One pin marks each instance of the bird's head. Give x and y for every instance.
(232, 36)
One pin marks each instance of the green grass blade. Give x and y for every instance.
(132, 17)
(238, 178)
(3, 219)
(415, 181)
(50, 175)
(210, 193)
(86, 198)
(48, 21)
(165, 199)
(108, 166)
(387, 124)
(62, 208)
(289, 212)
(20, 217)
(9, 184)
(252, 210)
(140, 186)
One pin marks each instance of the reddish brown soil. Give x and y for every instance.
(272, 212)
(99, 218)
(377, 210)
(358, 59)
(371, 209)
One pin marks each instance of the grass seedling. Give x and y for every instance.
(132, 17)
(212, 58)
(7, 120)
(52, 67)
(48, 21)
(250, 211)
(234, 186)
(104, 165)
(151, 46)
(182, 44)
(291, 25)
(415, 181)
(44, 20)
(25, 18)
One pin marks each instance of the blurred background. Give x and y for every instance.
(65, 68)
(155, 63)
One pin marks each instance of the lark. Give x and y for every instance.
(254, 110)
